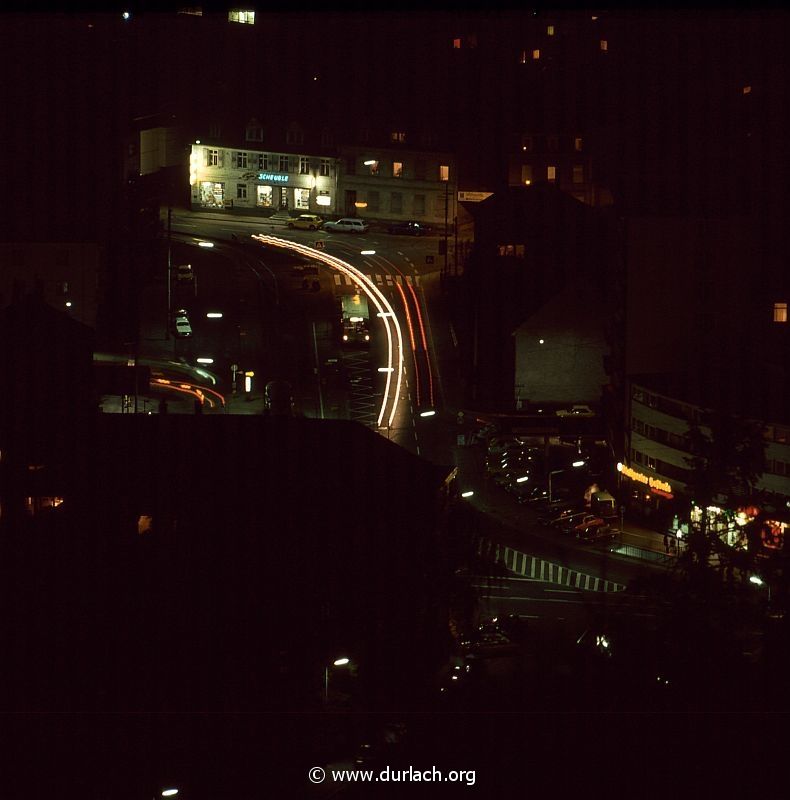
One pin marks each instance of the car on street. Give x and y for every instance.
(181, 324)
(408, 227)
(347, 225)
(306, 222)
(597, 533)
(588, 522)
(487, 643)
(566, 521)
(576, 411)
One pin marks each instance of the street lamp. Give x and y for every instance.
(467, 494)
(169, 792)
(758, 581)
(429, 413)
(558, 471)
(338, 662)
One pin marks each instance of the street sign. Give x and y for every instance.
(429, 259)
(320, 244)
(473, 197)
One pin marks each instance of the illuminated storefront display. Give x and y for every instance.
(773, 533)
(216, 176)
(656, 485)
(264, 196)
(212, 195)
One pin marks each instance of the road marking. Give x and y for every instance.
(379, 280)
(337, 279)
(562, 591)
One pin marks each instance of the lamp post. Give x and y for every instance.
(758, 581)
(575, 464)
(338, 662)
(446, 209)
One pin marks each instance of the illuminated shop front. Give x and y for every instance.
(646, 494)
(212, 195)
(729, 525)
(225, 178)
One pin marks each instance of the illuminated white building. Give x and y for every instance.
(228, 177)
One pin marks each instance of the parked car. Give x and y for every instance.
(555, 515)
(408, 227)
(576, 411)
(307, 222)
(565, 523)
(347, 225)
(181, 325)
(589, 521)
(597, 533)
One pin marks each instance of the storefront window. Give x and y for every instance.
(212, 195)
(264, 198)
(302, 198)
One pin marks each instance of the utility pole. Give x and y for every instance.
(446, 209)
(169, 272)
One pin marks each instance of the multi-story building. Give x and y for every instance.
(397, 184)
(656, 472)
(560, 159)
(245, 175)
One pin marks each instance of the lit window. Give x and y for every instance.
(747, 89)
(456, 44)
(519, 251)
(374, 168)
(241, 191)
(241, 160)
(444, 173)
(263, 161)
(323, 169)
(506, 250)
(397, 169)
(550, 30)
(604, 45)
(283, 163)
(396, 203)
(526, 174)
(398, 136)
(523, 57)
(245, 17)
(578, 174)
(577, 143)
(302, 198)
(551, 173)
(213, 158)
(535, 55)
(304, 166)
(780, 312)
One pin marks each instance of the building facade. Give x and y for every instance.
(656, 471)
(396, 184)
(224, 177)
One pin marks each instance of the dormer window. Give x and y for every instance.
(780, 312)
(294, 136)
(398, 136)
(254, 132)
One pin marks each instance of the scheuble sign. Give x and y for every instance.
(268, 176)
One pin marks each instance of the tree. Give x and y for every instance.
(728, 457)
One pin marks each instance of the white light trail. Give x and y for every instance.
(385, 311)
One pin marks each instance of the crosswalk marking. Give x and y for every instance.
(341, 279)
(536, 569)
